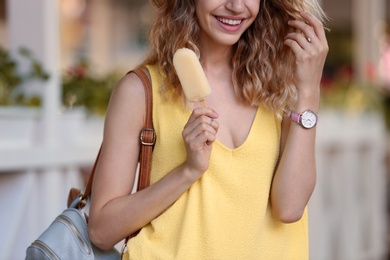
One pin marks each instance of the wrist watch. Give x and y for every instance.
(307, 119)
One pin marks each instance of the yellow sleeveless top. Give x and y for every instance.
(226, 213)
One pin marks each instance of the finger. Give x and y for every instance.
(197, 113)
(200, 111)
(202, 123)
(303, 42)
(310, 38)
(295, 47)
(316, 24)
(308, 33)
(215, 125)
(204, 132)
(192, 124)
(311, 27)
(207, 125)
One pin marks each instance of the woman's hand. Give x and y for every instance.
(310, 47)
(199, 133)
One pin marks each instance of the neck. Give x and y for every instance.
(216, 58)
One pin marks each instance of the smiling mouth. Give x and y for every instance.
(229, 21)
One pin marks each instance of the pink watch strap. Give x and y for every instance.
(295, 117)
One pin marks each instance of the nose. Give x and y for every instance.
(235, 6)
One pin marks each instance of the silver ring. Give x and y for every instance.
(310, 38)
(212, 120)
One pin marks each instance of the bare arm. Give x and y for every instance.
(295, 176)
(114, 212)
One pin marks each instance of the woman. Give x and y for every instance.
(230, 181)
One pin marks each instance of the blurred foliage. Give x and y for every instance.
(80, 87)
(11, 78)
(340, 87)
(344, 92)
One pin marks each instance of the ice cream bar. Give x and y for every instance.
(191, 75)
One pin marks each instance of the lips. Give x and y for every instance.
(231, 22)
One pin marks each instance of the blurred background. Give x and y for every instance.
(59, 61)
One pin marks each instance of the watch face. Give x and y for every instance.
(308, 119)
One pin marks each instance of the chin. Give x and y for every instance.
(228, 41)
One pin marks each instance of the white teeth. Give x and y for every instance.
(229, 21)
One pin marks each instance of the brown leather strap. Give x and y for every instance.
(147, 139)
(147, 136)
(88, 188)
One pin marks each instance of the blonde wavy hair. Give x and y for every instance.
(263, 67)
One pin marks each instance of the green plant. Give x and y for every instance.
(11, 78)
(80, 87)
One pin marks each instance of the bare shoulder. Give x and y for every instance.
(126, 109)
(129, 88)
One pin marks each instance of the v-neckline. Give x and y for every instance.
(241, 146)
